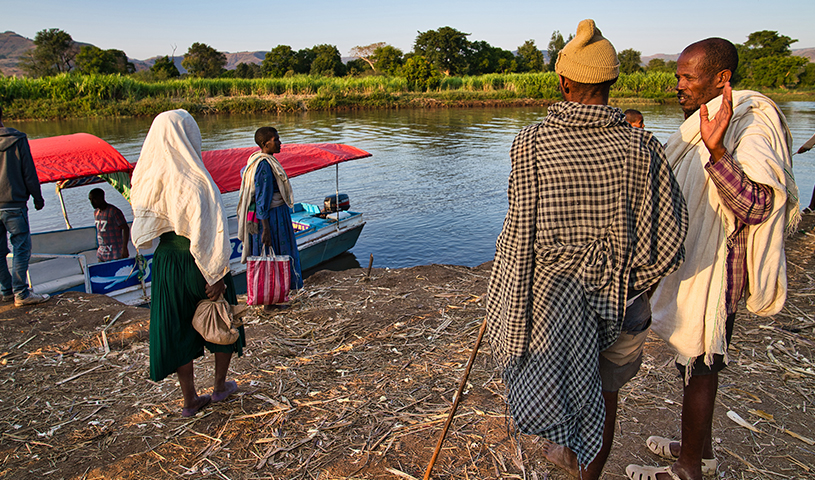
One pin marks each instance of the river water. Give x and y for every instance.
(434, 190)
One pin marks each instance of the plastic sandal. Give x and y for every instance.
(641, 472)
(662, 447)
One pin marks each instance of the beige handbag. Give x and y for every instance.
(218, 321)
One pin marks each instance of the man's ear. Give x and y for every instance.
(723, 77)
(564, 84)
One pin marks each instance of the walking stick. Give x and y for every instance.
(461, 386)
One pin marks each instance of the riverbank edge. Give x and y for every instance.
(51, 109)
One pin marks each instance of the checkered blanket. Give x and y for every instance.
(594, 214)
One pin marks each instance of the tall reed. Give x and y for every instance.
(119, 87)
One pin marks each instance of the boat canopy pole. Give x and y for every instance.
(337, 192)
(62, 204)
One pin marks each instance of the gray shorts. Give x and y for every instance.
(621, 361)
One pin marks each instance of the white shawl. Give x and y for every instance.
(173, 192)
(248, 193)
(689, 305)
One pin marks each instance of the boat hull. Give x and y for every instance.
(319, 239)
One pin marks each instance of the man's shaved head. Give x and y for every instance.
(719, 54)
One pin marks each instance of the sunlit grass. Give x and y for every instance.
(72, 95)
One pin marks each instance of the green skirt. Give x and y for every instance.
(177, 288)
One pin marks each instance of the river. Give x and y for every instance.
(434, 190)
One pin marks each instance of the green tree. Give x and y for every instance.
(768, 43)
(484, 58)
(327, 61)
(123, 64)
(445, 48)
(366, 53)
(303, 59)
(778, 71)
(388, 59)
(279, 61)
(420, 74)
(247, 70)
(358, 66)
(92, 60)
(808, 76)
(629, 61)
(530, 58)
(761, 44)
(556, 44)
(164, 68)
(204, 61)
(53, 53)
(659, 65)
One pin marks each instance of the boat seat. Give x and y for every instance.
(56, 274)
(65, 242)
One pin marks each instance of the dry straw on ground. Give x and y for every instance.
(355, 379)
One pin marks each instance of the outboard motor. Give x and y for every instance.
(331, 205)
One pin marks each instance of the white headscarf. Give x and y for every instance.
(173, 192)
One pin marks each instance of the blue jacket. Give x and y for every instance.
(18, 176)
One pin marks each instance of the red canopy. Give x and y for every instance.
(225, 165)
(70, 157)
(75, 156)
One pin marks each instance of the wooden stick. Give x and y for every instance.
(370, 264)
(78, 375)
(461, 386)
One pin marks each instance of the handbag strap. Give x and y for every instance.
(263, 251)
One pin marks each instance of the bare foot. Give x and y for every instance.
(561, 456)
(200, 402)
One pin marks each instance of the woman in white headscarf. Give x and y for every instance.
(175, 199)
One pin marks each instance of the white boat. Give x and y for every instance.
(65, 260)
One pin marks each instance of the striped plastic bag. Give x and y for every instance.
(268, 279)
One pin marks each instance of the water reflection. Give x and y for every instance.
(434, 190)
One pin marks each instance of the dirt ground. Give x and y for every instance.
(356, 379)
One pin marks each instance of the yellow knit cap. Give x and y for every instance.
(588, 57)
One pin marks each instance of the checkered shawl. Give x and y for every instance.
(594, 212)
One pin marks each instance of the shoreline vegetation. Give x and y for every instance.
(83, 96)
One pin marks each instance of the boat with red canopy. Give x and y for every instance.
(66, 259)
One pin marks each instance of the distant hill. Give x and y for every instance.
(805, 52)
(664, 56)
(808, 53)
(233, 59)
(12, 49)
(146, 64)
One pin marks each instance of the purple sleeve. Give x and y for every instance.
(751, 202)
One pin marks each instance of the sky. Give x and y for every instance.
(147, 28)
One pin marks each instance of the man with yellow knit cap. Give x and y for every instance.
(595, 219)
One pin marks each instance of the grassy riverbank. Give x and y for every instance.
(78, 96)
(71, 96)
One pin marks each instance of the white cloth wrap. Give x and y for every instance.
(247, 195)
(688, 308)
(173, 192)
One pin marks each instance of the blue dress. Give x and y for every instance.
(283, 241)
